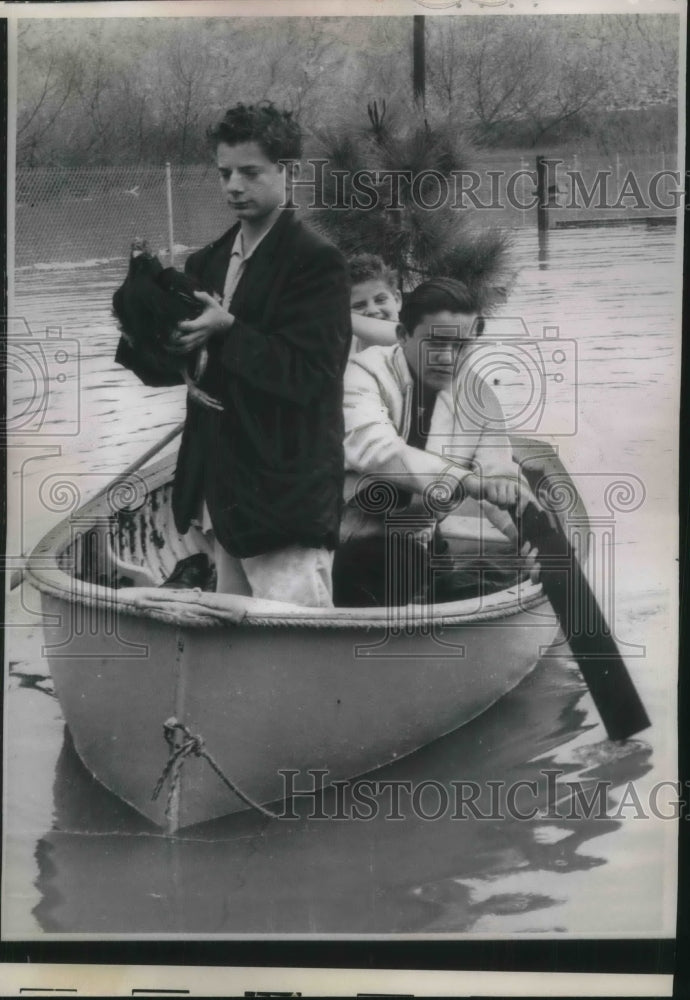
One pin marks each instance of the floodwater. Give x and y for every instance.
(77, 861)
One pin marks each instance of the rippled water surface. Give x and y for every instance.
(78, 861)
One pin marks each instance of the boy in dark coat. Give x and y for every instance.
(265, 472)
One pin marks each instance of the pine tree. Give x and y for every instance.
(419, 242)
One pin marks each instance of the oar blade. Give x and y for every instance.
(584, 625)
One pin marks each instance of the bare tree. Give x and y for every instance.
(123, 90)
(300, 65)
(495, 75)
(445, 68)
(49, 77)
(183, 85)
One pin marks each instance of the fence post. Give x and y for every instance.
(168, 186)
(523, 168)
(542, 210)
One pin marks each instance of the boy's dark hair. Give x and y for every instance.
(275, 131)
(370, 267)
(438, 295)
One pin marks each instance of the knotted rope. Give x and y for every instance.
(193, 745)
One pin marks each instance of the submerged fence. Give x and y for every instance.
(89, 214)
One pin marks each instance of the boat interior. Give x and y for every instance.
(135, 544)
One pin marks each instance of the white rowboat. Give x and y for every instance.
(269, 687)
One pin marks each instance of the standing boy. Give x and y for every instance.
(265, 471)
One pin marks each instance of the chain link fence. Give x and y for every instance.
(582, 187)
(86, 215)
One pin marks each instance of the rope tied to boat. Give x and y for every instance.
(193, 745)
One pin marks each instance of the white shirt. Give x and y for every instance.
(236, 265)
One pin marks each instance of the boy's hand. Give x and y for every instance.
(531, 565)
(503, 495)
(505, 492)
(198, 394)
(193, 333)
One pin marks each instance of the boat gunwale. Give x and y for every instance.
(200, 609)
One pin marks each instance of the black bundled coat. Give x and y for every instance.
(270, 465)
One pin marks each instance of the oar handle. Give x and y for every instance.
(583, 623)
(142, 460)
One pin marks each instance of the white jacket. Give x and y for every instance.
(377, 405)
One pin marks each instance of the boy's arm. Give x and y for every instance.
(484, 419)
(372, 331)
(373, 445)
(308, 348)
(493, 459)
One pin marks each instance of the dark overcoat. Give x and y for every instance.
(270, 465)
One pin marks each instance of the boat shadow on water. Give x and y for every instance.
(105, 869)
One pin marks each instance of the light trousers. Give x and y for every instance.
(296, 575)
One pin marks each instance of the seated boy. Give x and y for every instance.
(375, 302)
(407, 439)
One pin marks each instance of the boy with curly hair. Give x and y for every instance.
(375, 301)
(264, 468)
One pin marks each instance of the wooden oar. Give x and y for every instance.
(142, 460)
(583, 624)
(18, 575)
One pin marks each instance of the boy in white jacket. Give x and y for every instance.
(413, 454)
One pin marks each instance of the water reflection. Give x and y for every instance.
(543, 251)
(103, 868)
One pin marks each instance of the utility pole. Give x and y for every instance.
(418, 60)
